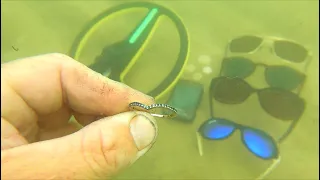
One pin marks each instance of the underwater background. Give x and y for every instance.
(36, 27)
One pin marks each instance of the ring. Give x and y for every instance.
(138, 107)
(152, 109)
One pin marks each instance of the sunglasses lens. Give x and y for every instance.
(244, 44)
(283, 77)
(290, 51)
(281, 104)
(259, 143)
(237, 67)
(224, 90)
(216, 129)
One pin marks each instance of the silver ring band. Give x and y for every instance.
(136, 106)
(142, 107)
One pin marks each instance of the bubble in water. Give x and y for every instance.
(207, 70)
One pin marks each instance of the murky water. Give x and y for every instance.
(33, 27)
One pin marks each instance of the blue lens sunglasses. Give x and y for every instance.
(258, 142)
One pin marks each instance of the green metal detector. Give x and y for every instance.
(117, 59)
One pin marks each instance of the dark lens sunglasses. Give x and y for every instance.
(277, 102)
(282, 77)
(285, 49)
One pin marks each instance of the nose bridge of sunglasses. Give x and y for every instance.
(256, 79)
(265, 48)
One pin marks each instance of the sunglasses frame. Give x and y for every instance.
(254, 90)
(241, 128)
(267, 67)
(269, 42)
(292, 124)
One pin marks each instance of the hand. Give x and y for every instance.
(38, 97)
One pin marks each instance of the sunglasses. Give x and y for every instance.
(276, 76)
(256, 141)
(285, 49)
(279, 103)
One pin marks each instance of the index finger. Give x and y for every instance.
(48, 82)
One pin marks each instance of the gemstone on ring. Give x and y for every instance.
(138, 106)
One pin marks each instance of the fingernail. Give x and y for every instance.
(143, 130)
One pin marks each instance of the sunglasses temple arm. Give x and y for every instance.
(199, 142)
(210, 98)
(270, 169)
(286, 134)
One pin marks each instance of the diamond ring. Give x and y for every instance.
(157, 110)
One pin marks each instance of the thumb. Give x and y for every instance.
(97, 151)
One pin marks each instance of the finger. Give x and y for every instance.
(42, 85)
(59, 132)
(97, 151)
(16, 111)
(85, 119)
(10, 136)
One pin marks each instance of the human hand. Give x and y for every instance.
(39, 95)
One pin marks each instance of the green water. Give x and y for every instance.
(35, 27)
